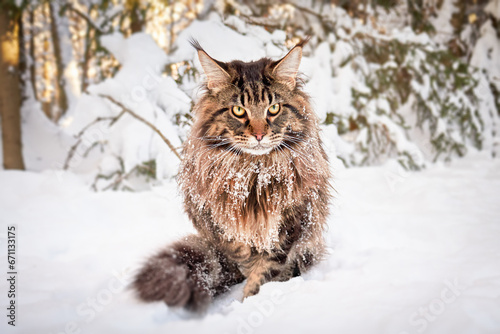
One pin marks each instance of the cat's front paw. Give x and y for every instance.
(251, 288)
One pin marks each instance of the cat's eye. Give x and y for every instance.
(274, 109)
(238, 111)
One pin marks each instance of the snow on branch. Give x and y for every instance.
(73, 148)
(139, 118)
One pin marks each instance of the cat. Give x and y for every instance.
(255, 181)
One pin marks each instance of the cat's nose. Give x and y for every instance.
(258, 128)
(259, 136)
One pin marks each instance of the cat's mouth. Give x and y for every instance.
(258, 149)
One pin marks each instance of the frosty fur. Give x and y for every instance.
(259, 205)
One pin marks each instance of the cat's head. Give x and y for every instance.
(253, 107)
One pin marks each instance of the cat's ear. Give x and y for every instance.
(216, 75)
(286, 68)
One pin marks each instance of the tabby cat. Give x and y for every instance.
(255, 182)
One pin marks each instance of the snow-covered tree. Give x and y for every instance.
(415, 81)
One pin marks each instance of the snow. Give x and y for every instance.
(487, 50)
(493, 8)
(485, 57)
(441, 21)
(409, 253)
(42, 134)
(212, 35)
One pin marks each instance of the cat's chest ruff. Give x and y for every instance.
(258, 182)
(251, 198)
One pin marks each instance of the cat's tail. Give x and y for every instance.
(188, 273)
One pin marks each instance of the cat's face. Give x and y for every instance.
(254, 107)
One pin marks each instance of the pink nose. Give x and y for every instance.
(259, 136)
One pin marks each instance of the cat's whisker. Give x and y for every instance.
(212, 138)
(204, 151)
(222, 143)
(229, 158)
(209, 147)
(216, 140)
(281, 151)
(299, 156)
(293, 139)
(220, 158)
(209, 163)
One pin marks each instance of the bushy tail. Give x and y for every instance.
(188, 273)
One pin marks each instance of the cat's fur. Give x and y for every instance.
(255, 187)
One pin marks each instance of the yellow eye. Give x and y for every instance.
(238, 111)
(274, 109)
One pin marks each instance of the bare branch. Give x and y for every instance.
(71, 153)
(97, 120)
(139, 118)
(119, 179)
(309, 11)
(263, 22)
(85, 17)
(73, 148)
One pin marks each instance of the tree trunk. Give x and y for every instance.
(136, 20)
(10, 93)
(46, 93)
(32, 52)
(87, 52)
(61, 98)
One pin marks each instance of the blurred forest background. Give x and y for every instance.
(105, 88)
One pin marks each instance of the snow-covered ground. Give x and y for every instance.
(410, 253)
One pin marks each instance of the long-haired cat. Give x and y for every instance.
(255, 182)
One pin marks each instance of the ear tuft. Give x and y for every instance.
(195, 44)
(287, 67)
(216, 75)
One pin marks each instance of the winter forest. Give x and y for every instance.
(96, 101)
